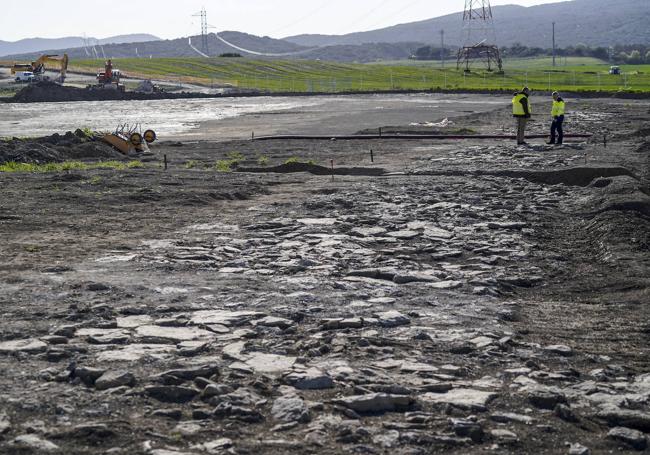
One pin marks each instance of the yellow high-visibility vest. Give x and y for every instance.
(558, 108)
(518, 108)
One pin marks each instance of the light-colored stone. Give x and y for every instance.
(172, 334)
(135, 352)
(404, 235)
(34, 442)
(393, 319)
(29, 346)
(633, 438)
(415, 367)
(447, 285)
(5, 424)
(130, 322)
(504, 435)
(318, 221)
(290, 409)
(310, 379)
(578, 449)
(462, 398)
(112, 379)
(269, 363)
(215, 447)
(272, 321)
(224, 317)
(369, 232)
(508, 417)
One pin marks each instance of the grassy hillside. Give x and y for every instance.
(591, 22)
(316, 76)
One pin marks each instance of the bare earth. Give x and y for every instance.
(475, 298)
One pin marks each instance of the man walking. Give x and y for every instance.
(557, 127)
(522, 110)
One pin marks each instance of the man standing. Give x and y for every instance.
(521, 110)
(558, 119)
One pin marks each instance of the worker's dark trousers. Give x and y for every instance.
(557, 130)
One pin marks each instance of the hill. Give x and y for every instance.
(32, 45)
(591, 22)
(175, 48)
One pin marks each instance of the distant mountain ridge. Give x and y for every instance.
(32, 45)
(590, 22)
(179, 47)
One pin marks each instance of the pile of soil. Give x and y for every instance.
(45, 92)
(56, 148)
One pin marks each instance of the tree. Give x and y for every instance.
(647, 57)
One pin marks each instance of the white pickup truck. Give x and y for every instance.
(25, 76)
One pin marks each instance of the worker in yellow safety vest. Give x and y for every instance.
(557, 127)
(522, 110)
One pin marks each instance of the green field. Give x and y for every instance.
(580, 74)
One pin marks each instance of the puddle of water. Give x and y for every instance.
(167, 117)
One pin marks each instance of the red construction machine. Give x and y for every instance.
(109, 79)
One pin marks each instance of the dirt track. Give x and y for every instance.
(476, 298)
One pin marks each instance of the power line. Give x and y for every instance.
(395, 14)
(365, 16)
(301, 19)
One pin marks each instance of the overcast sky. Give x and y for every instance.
(173, 19)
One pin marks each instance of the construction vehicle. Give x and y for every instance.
(109, 79)
(148, 87)
(25, 76)
(39, 67)
(129, 139)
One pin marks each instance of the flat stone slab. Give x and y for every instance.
(133, 352)
(34, 442)
(415, 367)
(463, 398)
(131, 322)
(633, 438)
(223, 317)
(269, 363)
(393, 319)
(369, 232)
(318, 221)
(173, 334)
(415, 277)
(376, 402)
(310, 379)
(447, 285)
(29, 346)
(404, 235)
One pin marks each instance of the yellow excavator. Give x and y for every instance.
(44, 62)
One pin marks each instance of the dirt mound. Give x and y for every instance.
(622, 194)
(56, 148)
(289, 168)
(579, 176)
(49, 92)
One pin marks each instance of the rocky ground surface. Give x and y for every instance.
(476, 297)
